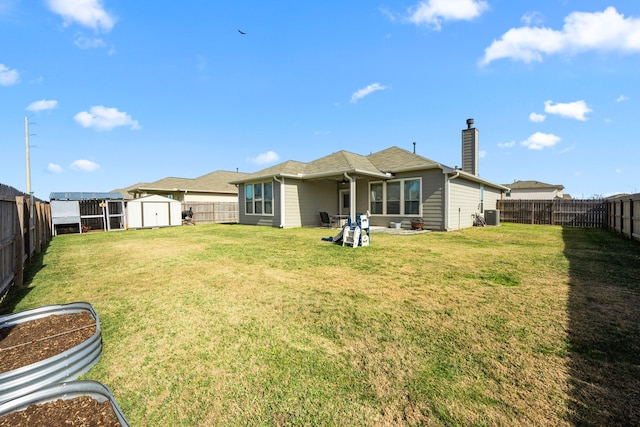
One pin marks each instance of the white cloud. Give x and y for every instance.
(42, 105)
(582, 31)
(482, 154)
(618, 170)
(506, 144)
(8, 76)
(532, 18)
(265, 158)
(571, 110)
(84, 165)
(539, 140)
(54, 168)
(103, 118)
(433, 12)
(359, 94)
(537, 118)
(88, 13)
(622, 98)
(89, 43)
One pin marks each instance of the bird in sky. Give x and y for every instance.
(242, 32)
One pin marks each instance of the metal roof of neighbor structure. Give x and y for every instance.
(85, 196)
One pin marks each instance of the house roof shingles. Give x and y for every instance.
(214, 182)
(530, 185)
(395, 158)
(380, 164)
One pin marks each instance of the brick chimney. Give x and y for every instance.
(470, 149)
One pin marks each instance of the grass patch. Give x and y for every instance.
(238, 325)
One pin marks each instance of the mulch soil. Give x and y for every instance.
(79, 411)
(37, 340)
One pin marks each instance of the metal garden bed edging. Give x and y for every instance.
(64, 366)
(65, 391)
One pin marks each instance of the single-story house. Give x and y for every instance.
(534, 190)
(212, 187)
(393, 185)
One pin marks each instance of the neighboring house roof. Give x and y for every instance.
(214, 182)
(533, 185)
(381, 164)
(125, 191)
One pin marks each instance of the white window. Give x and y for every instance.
(375, 190)
(398, 197)
(259, 198)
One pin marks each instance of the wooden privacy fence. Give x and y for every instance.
(570, 212)
(24, 231)
(207, 212)
(624, 215)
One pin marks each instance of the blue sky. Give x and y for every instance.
(118, 92)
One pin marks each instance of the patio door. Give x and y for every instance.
(345, 202)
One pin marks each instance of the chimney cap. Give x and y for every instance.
(469, 123)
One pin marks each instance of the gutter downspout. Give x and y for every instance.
(447, 195)
(275, 178)
(352, 198)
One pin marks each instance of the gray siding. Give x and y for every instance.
(303, 202)
(464, 200)
(433, 199)
(291, 203)
(432, 207)
(316, 196)
(269, 220)
(491, 197)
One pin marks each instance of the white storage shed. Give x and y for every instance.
(153, 211)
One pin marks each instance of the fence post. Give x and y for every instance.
(533, 210)
(631, 218)
(19, 242)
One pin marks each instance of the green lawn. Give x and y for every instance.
(235, 325)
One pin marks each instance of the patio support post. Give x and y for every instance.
(352, 198)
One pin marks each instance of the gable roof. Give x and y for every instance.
(125, 191)
(396, 159)
(340, 162)
(380, 165)
(533, 185)
(214, 182)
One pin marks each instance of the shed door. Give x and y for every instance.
(155, 214)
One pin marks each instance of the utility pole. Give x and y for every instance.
(26, 137)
